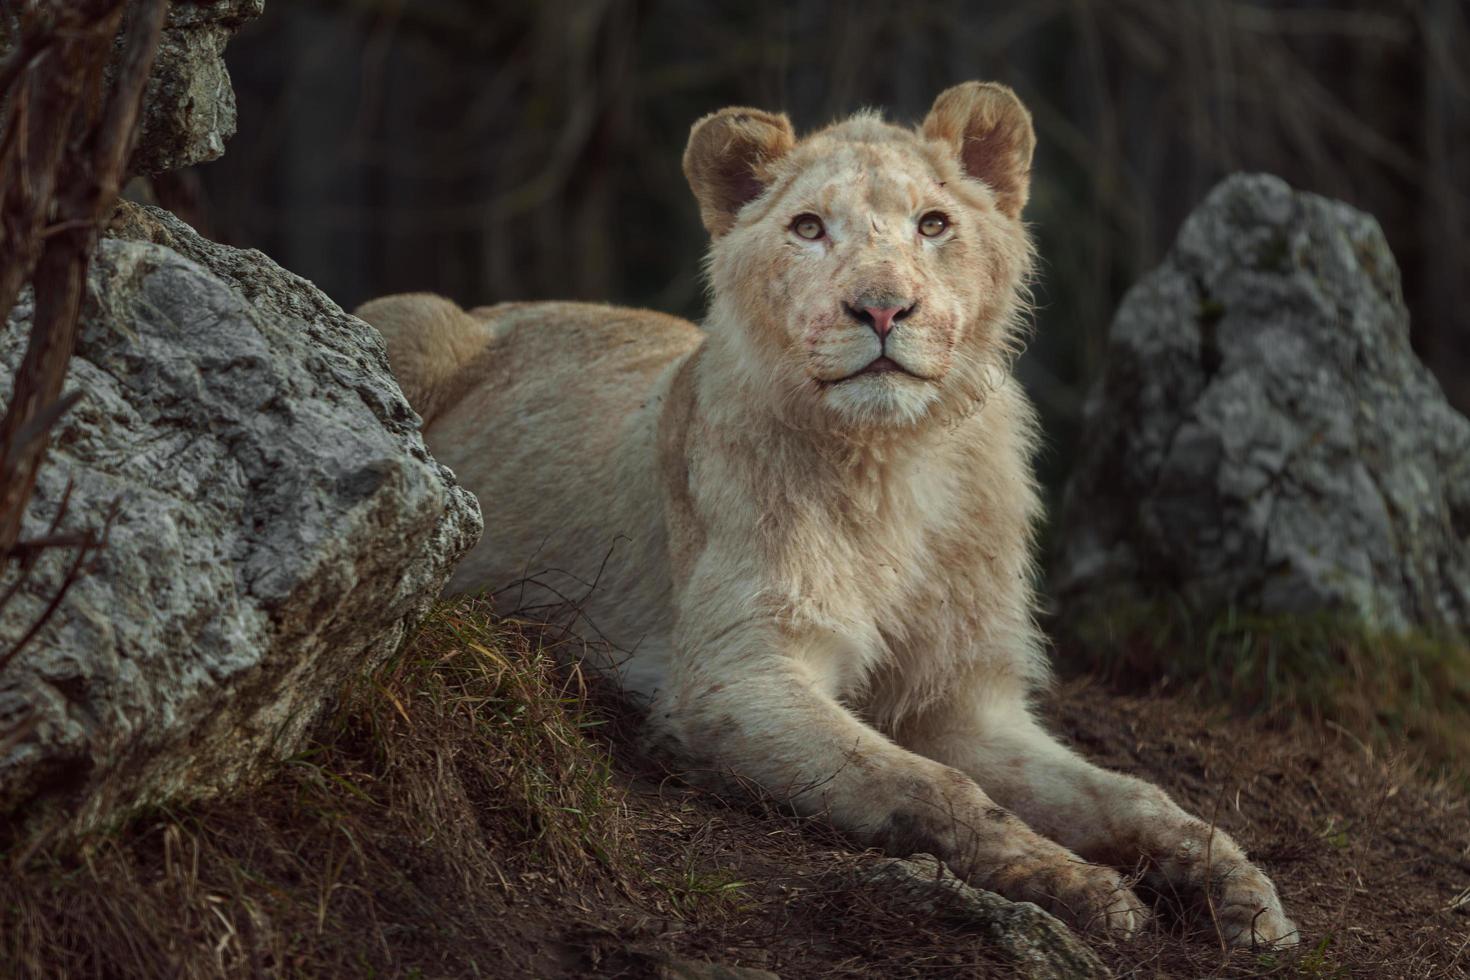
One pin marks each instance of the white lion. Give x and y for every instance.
(807, 527)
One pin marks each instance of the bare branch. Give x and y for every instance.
(63, 158)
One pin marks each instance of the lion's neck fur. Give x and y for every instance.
(850, 466)
(888, 519)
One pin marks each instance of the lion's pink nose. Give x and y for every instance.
(882, 318)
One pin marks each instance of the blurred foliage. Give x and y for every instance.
(507, 150)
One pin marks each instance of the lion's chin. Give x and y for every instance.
(888, 397)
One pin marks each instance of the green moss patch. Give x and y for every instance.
(1409, 688)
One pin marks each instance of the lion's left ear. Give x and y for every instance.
(726, 157)
(991, 132)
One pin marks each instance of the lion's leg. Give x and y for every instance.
(1104, 816)
(767, 722)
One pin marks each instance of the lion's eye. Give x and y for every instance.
(808, 226)
(933, 223)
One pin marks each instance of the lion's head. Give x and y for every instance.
(868, 275)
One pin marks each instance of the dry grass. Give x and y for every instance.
(456, 778)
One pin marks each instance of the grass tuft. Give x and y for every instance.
(478, 705)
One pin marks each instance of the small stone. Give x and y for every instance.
(1037, 944)
(676, 968)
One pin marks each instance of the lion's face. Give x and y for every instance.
(871, 277)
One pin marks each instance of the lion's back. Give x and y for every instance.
(556, 380)
(555, 432)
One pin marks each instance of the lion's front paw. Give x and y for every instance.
(1097, 901)
(1250, 913)
(1091, 898)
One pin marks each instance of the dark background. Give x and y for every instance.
(494, 151)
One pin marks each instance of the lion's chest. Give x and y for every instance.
(902, 589)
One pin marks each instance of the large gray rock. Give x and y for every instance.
(1264, 437)
(279, 528)
(189, 107)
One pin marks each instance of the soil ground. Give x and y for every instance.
(1368, 858)
(351, 862)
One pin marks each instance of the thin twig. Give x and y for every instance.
(61, 166)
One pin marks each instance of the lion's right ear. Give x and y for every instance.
(726, 159)
(991, 133)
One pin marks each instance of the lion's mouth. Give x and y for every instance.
(879, 365)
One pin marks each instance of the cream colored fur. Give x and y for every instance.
(816, 579)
